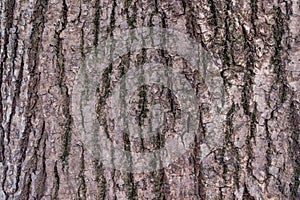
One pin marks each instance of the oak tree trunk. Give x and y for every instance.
(43, 45)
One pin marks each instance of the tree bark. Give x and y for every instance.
(44, 44)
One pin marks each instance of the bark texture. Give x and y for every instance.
(43, 44)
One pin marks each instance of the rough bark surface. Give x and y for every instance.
(43, 44)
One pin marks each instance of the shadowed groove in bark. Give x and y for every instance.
(294, 119)
(100, 179)
(198, 168)
(276, 60)
(101, 116)
(56, 182)
(131, 191)
(250, 141)
(250, 64)
(247, 92)
(268, 151)
(237, 167)
(213, 21)
(82, 44)
(112, 21)
(227, 149)
(103, 121)
(81, 191)
(42, 175)
(142, 105)
(131, 19)
(60, 60)
(191, 23)
(105, 90)
(246, 194)
(25, 192)
(226, 53)
(129, 179)
(96, 22)
(230, 147)
(254, 9)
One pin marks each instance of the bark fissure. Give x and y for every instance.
(82, 190)
(97, 22)
(56, 182)
(295, 148)
(276, 60)
(64, 91)
(101, 180)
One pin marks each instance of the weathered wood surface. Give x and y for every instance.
(43, 44)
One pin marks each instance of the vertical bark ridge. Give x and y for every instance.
(18, 82)
(32, 95)
(9, 16)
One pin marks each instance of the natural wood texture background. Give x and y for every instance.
(43, 44)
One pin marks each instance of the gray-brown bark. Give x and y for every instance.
(43, 44)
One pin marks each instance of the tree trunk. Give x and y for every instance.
(255, 48)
